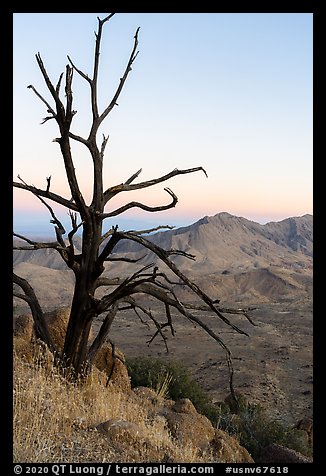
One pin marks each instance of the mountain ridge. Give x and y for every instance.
(238, 239)
(236, 258)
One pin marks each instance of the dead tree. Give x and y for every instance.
(98, 243)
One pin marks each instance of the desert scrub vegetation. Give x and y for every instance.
(54, 419)
(172, 376)
(248, 422)
(255, 430)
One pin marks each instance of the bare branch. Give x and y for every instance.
(163, 255)
(41, 327)
(60, 115)
(48, 179)
(71, 260)
(69, 75)
(137, 232)
(126, 207)
(106, 18)
(224, 310)
(169, 317)
(103, 333)
(21, 296)
(151, 230)
(108, 248)
(59, 229)
(134, 305)
(79, 139)
(125, 187)
(79, 71)
(104, 142)
(108, 281)
(49, 108)
(148, 313)
(107, 234)
(63, 118)
(133, 177)
(35, 245)
(161, 295)
(46, 119)
(125, 259)
(46, 194)
(57, 89)
(132, 58)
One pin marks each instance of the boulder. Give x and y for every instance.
(184, 405)
(57, 321)
(114, 367)
(121, 431)
(226, 449)
(146, 393)
(23, 326)
(188, 426)
(280, 454)
(129, 438)
(306, 425)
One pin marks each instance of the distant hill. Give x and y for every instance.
(227, 242)
(236, 258)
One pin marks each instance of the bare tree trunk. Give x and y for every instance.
(88, 265)
(83, 303)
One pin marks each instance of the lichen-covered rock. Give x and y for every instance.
(280, 454)
(227, 449)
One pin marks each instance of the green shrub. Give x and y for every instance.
(148, 372)
(255, 430)
(248, 422)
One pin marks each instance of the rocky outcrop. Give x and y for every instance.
(23, 326)
(57, 322)
(188, 426)
(280, 454)
(306, 425)
(227, 449)
(113, 364)
(125, 436)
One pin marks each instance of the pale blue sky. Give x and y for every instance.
(230, 92)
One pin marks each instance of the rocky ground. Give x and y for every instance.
(273, 366)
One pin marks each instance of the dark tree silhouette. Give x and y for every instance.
(98, 243)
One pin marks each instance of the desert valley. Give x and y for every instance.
(268, 268)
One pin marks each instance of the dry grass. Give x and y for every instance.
(54, 420)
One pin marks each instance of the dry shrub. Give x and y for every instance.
(54, 420)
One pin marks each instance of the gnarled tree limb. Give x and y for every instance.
(125, 187)
(41, 328)
(147, 208)
(47, 194)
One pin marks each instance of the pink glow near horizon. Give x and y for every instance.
(187, 212)
(192, 203)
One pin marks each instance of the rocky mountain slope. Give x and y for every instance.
(226, 242)
(236, 259)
